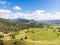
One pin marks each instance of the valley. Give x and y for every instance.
(29, 22)
(33, 36)
(28, 33)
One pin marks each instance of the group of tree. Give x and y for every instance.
(8, 26)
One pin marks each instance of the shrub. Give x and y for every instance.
(33, 39)
(46, 29)
(1, 36)
(58, 34)
(1, 42)
(58, 30)
(32, 31)
(25, 37)
(12, 36)
(54, 30)
(21, 39)
(15, 42)
(27, 31)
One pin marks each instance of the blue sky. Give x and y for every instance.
(28, 7)
(32, 5)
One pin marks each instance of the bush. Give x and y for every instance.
(32, 31)
(15, 42)
(58, 30)
(21, 39)
(58, 34)
(54, 30)
(46, 29)
(1, 36)
(1, 42)
(25, 38)
(12, 36)
(33, 39)
(27, 31)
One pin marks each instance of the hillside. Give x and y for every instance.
(34, 36)
(9, 25)
(6, 25)
(31, 33)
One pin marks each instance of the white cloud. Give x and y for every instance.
(23, 15)
(2, 11)
(2, 2)
(57, 15)
(5, 13)
(36, 15)
(40, 15)
(17, 8)
(39, 12)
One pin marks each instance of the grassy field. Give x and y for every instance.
(19, 42)
(35, 36)
(39, 34)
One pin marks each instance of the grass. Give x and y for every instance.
(19, 42)
(38, 34)
(35, 36)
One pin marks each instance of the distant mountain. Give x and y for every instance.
(21, 20)
(51, 21)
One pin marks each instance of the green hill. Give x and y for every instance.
(7, 26)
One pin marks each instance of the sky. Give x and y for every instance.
(30, 9)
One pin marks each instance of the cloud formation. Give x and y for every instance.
(2, 11)
(17, 8)
(5, 13)
(2, 2)
(36, 15)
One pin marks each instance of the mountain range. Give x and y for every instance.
(21, 20)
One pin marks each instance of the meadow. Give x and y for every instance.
(35, 36)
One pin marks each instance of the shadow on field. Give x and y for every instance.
(14, 42)
(22, 42)
(1, 42)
